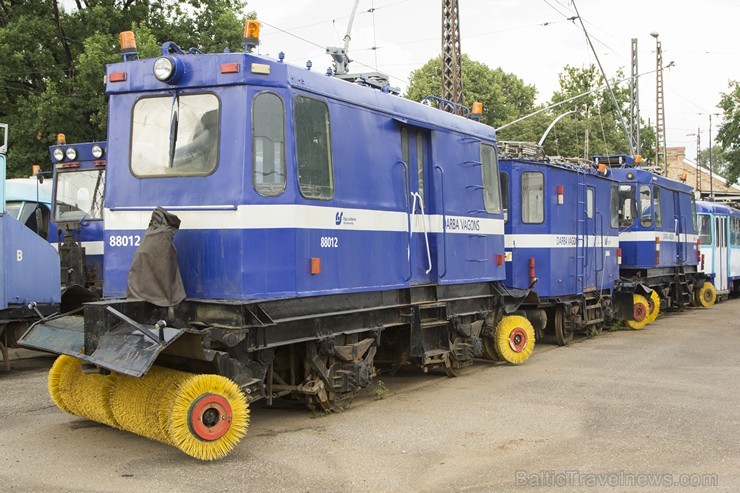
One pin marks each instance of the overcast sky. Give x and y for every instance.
(534, 40)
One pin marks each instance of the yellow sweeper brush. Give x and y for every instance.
(653, 307)
(205, 416)
(514, 339)
(639, 312)
(208, 415)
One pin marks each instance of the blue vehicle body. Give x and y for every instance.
(562, 241)
(77, 212)
(324, 226)
(29, 201)
(236, 243)
(657, 233)
(29, 272)
(719, 241)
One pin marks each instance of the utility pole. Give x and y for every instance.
(711, 163)
(635, 101)
(698, 152)
(452, 83)
(661, 154)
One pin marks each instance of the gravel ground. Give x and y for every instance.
(649, 410)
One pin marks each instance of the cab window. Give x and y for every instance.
(504, 177)
(626, 205)
(657, 212)
(490, 177)
(646, 203)
(175, 135)
(78, 195)
(705, 229)
(533, 200)
(313, 148)
(589, 202)
(268, 144)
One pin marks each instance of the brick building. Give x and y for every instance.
(678, 164)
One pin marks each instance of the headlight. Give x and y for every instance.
(71, 153)
(97, 151)
(58, 154)
(163, 68)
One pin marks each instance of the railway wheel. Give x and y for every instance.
(706, 296)
(653, 307)
(514, 339)
(208, 416)
(639, 312)
(563, 331)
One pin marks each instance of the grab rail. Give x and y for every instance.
(424, 228)
(406, 193)
(444, 219)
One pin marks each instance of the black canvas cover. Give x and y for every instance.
(154, 275)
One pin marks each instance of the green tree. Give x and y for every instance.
(729, 132)
(53, 62)
(718, 158)
(594, 127)
(505, 96)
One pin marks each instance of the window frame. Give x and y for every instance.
(329, 148)
(705, 219)
(255, 185)
(170, 95)
(643, 222)
(590, 196)
(657, 211)
(491, 179)
(523, 195)
(505, 203)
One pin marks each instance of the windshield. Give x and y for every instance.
(175, 135)
(627, 205)
(13, 208)
(79, 195)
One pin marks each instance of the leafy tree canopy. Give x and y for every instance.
(53, 61)
(593, 127)
(729, 132)
(505, 96)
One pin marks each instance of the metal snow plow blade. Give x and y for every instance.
(129, 347)
(63, 335)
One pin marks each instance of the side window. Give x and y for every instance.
(37, 219)
(614, 207)
(657, 212)
(533, 200)
(705, 229)
(693, 213)
(735, 230)
(646, 209)
(490, 177)
(590, 202)
(504, 177)
(313, 148)
(626, 206)
(405, 145)
(268, 144)
(420, 164)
